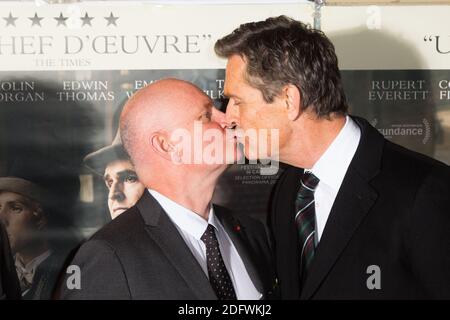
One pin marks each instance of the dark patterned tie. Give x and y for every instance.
(218, 274)
(305, 219)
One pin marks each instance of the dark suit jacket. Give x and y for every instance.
(9, 283)
(392, 211)
(141, 255)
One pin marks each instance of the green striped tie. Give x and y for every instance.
(305, 219)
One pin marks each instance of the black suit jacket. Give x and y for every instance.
(9, 283)
(392, 211)
(141, 255)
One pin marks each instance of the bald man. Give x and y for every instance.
(174, 243)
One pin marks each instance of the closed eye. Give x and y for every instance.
(206, 116)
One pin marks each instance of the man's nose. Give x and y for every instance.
(219, 117)
(116, 192)
(4, 218)
(232, 114)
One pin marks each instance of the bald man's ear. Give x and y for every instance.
(293, 101)
(161, 145)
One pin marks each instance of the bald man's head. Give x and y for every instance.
(159, 107)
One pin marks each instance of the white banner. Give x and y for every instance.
(123, 35)
(389, 37)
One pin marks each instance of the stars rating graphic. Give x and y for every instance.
(111, 19)
(36, 21)
(86, 20)
(61, 20)
(10, 20)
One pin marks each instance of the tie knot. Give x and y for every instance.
(209, 236)
(309, 181)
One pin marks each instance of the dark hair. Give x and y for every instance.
(281, 51)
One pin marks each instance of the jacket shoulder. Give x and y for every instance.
(121, 229)
(400, 161)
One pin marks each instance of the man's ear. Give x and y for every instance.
(41, 217)
(161, 145)
(293, 101)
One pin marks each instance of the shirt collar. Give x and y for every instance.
(333, 164)
(29, 269)
(183, 218)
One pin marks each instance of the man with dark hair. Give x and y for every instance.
(353, 216)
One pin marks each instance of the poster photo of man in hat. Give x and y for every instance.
(114, 165)
(38, 230)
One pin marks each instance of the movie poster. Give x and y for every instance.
(67, 70)
(65, 73)
(396, 70)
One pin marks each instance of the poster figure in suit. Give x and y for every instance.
(114, 165)
(174, 243)
(39, 231)
(9, 284)
(353, 216)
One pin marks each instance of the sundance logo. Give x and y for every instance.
(422, 130)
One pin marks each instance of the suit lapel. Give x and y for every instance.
(354, 200)
(164, 233)
(286, 245)
(239, 237)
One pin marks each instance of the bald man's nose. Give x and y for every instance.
(219, 117)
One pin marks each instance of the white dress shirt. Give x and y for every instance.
(191, 227)
(331, 169)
